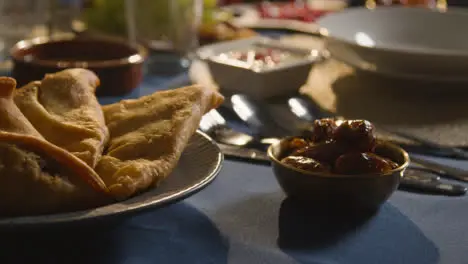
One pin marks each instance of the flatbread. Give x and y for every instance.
(64, 110)
(37, 177)
(148, 136)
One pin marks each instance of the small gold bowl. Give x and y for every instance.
(367, 191)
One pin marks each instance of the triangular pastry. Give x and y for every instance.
(11, 118)
(65, 111)
(148, 136)
(37, 177)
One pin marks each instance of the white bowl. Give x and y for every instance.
(233, 77)
(401, 41)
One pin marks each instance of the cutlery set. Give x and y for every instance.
(264, 129)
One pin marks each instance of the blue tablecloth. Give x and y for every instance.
(243, 217)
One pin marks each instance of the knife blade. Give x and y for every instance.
(417, 181)
(429, 145)
(442, 170)
(245, 154)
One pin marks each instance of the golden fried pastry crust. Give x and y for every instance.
(11, 118)
(64, 109)
(36, 176)
(148, 136)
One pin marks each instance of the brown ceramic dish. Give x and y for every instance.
(366, 192)
(118, 64)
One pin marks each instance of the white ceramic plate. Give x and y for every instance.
(401, 41)
(198, 166)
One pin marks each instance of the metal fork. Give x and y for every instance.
(214, 124)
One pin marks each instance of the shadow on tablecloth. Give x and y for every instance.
(175, 234)
(386, 237)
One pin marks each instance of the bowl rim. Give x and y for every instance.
(138, 56)
(401, 167)
(437, 52)
(210, 53)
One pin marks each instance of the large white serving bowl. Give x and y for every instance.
(401, 41)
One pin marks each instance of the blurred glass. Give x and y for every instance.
(186, 16)
(170, 25)
(22, 19)
(158, 23)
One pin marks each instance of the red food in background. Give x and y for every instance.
(266, 56)
(292, 11)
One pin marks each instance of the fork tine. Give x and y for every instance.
(216, 117)
(214, 124)
(205, 124)
(211, 120)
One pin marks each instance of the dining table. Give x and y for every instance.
(243, 216)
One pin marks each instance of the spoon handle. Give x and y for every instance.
(415, 183)
(442, 170)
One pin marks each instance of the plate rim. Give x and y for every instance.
(83, 215)
(428, 52)
(401, 75)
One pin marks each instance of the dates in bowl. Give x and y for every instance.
(340, 163)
